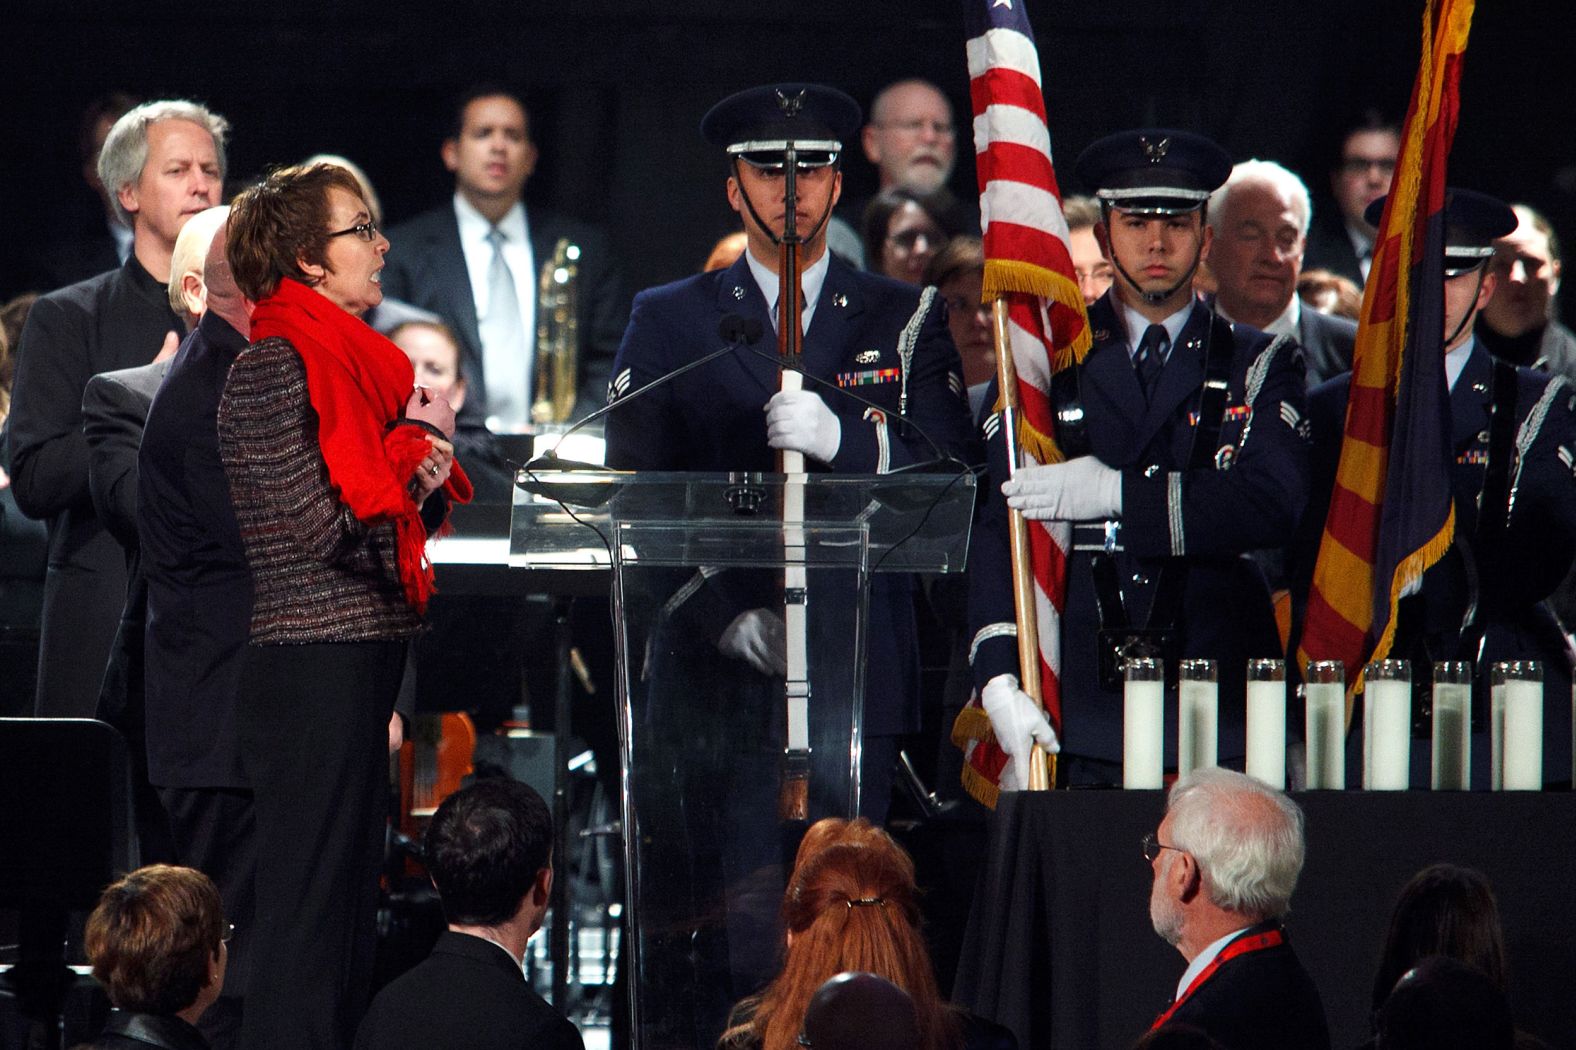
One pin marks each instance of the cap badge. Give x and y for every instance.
(1154, 151)
(790, 105)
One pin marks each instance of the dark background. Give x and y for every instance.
(618, 87)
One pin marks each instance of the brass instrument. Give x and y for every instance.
(557, 336)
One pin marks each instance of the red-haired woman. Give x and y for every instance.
(851, 904)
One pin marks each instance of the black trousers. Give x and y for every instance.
(215, 832)
(314, 735)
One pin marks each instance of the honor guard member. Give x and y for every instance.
(1183, 448)
(1513, 438)
(882, 340)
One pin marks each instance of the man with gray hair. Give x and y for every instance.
(162, 163)
(1226, 859)
(1260, 218)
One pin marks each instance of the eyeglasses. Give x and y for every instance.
(367, 231)
(1362, 165)
(1152, 847)
(229, 931)
(908, 240)
(942, 129)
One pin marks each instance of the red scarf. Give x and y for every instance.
(359, 382)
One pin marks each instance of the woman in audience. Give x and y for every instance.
(157, 942)
(335, 461)
(903, 230)
(958, 272)
(852, 904)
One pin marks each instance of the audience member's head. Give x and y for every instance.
(1528, 266)
(1090, 265)
(903, 230)
(284, 227)
(12, 316)
(368, 194)
(489, 149)
(435, 355)
(489, 851)
(911, 138)
(1330, 293)
(851, 904)
(1443, 910)
(1362, 170)
(860, 1011)
(726, 251)
(221, 294)
(1260, 217)
(157, 942)
(1227, 856)
(1445, 1004)
(187, 293)
(97, 118)
(958, 272)
(162, 163)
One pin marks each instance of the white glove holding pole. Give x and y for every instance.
(1019, 723)
(799, 421)
(1081, 489)
(757, 637)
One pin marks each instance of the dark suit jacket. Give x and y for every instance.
(131, 1031)
(1248, 499)
(426, 268)
(114, 408)
(466, 993)
(116, 320)
(1329, 248)
(199, 588)
(1327, 344)
(711, 419)
(1261, 1000)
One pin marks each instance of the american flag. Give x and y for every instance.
(1027, 262)
(1391, 514)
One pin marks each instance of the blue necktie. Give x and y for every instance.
(1149, 359)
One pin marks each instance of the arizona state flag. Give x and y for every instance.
(1028, 263)
(1391, 513)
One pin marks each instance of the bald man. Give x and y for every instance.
(199, 614)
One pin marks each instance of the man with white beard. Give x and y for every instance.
(1226, 859)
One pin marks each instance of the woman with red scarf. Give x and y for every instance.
(339, 467)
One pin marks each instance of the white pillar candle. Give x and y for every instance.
(1387, 721)
(1326, 735)
(1198, 715)
(1522, 765)
(1452, 760)
(1496, 738)
(1267, 722)
(1143, 714)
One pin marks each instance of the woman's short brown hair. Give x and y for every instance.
(281, 222)
(152, 936)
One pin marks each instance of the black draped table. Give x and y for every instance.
(1059, 947)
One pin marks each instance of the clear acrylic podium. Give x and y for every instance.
(703, 734)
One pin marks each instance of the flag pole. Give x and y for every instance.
(1042, 767)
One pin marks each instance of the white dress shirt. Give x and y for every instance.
(811, 279)
(474, 229)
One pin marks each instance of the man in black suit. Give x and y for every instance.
(1226, 859)
(489, 850)
(164, 162)
(476, 262)
(199, 606)
(1260, 217)
(1343, 243)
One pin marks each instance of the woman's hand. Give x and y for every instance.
(431, 409)
(433, 470)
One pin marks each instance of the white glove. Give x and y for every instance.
(1018, 723)
(1081, 489)
(799, 421)
(757, 637)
